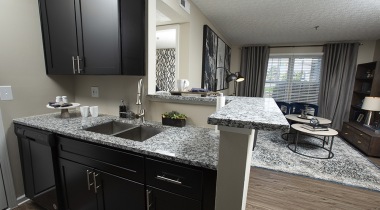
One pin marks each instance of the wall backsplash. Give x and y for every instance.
(165, 69)
(111, 90)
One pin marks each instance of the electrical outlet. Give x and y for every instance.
(6, 93)
(95, 92)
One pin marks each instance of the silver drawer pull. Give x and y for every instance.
(78, 63)
(169, 180)
(95, 185)
(73, 59)
(359, 142)
(361, 134)
(346, 133)
(148, 204)
(88, 180)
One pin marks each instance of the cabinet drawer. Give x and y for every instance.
(120, 163)
(357, 138)
(173, 178)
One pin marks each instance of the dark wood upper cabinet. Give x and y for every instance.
(94, 37)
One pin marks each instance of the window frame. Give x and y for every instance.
(291, 69)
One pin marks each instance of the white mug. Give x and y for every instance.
(182, 84)
(94, 110)
(84, 111)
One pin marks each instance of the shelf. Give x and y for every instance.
(356, 107)
(362, 93)
(365, 79)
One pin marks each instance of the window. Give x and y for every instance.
(293, 78)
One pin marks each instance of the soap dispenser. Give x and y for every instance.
(122, 110)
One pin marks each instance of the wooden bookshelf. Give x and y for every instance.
(367, 83)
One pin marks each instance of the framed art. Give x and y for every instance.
(216, 58)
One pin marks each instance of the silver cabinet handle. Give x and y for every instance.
(148, 205)
(95, 186)
(169, 180)
(88, 180)
(78, 63)
(73, 59)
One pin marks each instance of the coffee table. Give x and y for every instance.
(330, 133)
(296, 118)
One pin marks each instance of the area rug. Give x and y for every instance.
(347, 167)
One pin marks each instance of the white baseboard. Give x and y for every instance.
(22, 199)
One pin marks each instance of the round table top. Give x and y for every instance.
(330, 132)
(296, 118)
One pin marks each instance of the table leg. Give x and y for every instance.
(331, 143)
(324, 140)
(295, 147)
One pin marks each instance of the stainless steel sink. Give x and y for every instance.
(126, 131)
(110, 128)
(140, 133)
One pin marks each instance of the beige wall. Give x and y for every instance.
(197, 114)
(197, 20)
(111, 90)
(366, 52)
(22, 66)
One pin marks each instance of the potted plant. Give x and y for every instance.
(174, 118)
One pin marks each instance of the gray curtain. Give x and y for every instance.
(337, 81)
(253, 67)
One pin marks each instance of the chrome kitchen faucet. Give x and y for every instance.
(140, 111)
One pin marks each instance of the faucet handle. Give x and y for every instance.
(138, 101)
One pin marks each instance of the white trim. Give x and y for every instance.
(6, 168)
(177, 28)
(22, 199)
(291, 54)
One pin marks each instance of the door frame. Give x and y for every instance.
(6, 168)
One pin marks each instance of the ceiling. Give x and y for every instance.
(245, 22)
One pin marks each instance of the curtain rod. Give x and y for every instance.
(286, 46)
(297, 46)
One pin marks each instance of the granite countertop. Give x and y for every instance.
(250, 113)
(188, 99)
(239, 112)
(190, 145)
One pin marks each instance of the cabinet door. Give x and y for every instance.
(162, 200)
(59, 34)
(133, 36)
(75, 184)
(98, 39)
(119, 193)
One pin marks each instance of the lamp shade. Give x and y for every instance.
(371, 104)
(239, 78)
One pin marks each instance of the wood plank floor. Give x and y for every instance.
(276, 190)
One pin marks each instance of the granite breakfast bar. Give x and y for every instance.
(228, 152)
(238, 123)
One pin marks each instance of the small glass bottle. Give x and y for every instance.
(122, 110)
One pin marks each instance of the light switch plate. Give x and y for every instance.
(6, 93)
(95, 92)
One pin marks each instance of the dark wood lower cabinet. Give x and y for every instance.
(76, 192)
(162, 200)
(87, 188)
(88, 176)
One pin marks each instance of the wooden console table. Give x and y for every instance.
(362, 138)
